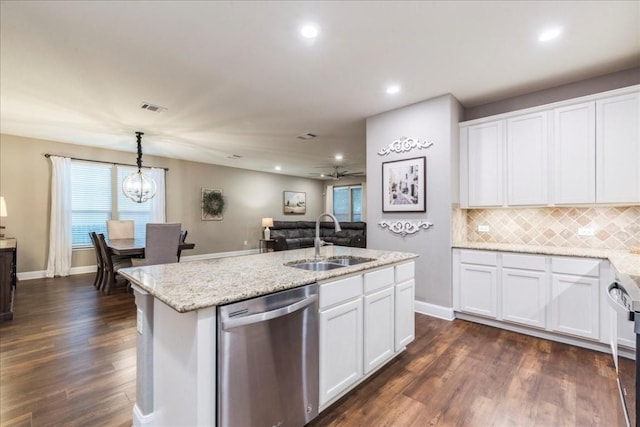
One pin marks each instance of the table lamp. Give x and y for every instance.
(3, 213)
(267, 222)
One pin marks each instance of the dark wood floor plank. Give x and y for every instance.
(68, 358)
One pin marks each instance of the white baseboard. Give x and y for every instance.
(139, 419)
(433, 310)
(41, 274)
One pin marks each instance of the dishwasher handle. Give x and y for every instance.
(268, 315)
(619, 300)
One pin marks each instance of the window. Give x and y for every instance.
(347, 203)
(96, 197)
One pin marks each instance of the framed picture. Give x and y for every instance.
(212, 204)
(404, 185)
(294, 203)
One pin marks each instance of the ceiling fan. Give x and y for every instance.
(338, 173)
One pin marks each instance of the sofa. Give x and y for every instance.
(300, 234)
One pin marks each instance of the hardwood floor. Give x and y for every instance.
(68, 358)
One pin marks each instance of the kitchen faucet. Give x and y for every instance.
(317, 242)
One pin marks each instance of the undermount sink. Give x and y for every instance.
(328, 264)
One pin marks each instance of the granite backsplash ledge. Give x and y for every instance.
(613, 227)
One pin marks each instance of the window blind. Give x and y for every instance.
(90, 200)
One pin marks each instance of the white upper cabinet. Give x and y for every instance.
(527, 160)
(574, 154)
(618, 149)
(485, 147)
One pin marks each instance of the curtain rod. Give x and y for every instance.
(47, 155)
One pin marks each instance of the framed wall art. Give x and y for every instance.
(294, 203)
(212, 204)
(404, 185)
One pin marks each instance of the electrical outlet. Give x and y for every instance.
(483, 228)
(245, 243)
(139, 321)
(585, 231)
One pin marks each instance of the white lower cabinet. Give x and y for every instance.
(405, 319)
(378, 328)
(560, 295)
(365, 321)
(340, 348)
(524, 297)
(575, 305)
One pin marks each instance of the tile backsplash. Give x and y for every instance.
(612, 227)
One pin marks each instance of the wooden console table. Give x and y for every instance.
(8, 274)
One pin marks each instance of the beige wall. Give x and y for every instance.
(25, 179)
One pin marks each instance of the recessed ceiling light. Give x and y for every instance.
(550, 34)
(278, 168)
(309, 31)
(338, 157)
(393, 89)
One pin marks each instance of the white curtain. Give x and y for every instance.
(157, 203)
(328, 199)
(59, 262)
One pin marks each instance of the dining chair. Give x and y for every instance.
(111, 265)
(120, 229)
(97, 283)
(161, 244)
(183, 237)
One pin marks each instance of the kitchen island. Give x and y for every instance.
(177, 322)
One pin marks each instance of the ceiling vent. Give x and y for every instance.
(307, 135)
(151, 107)
(234, 157)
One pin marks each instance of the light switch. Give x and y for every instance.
(585, 231)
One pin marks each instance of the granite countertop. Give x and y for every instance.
(192, 285)
(623, 261)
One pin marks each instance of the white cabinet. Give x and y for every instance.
(527, 160)
(618, 149)
(574, 154)
(341, 336)
(580, 151)
(478, 283)
(378, 317)
(484, 146)
(524, 290)
(405, 318)
(575, 297)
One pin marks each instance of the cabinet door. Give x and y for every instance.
(575, 308)
(527, 160)
(341, 341)
(405, 319)
(574, 149)
(618, 149)
(524, 297)
(478, 287)
(378, 328)
(485, 165)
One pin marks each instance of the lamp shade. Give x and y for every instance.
(267, 222)
(3, 207)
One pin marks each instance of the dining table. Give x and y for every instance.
(135, 247)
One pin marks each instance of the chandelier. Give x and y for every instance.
(138, 186)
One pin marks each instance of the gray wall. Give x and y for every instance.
(433, 120)
(603, 83)
(25, 180)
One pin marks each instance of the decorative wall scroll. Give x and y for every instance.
(403, 145)
(404, 185)
(404, 227)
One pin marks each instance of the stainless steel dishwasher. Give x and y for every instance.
(268, 360)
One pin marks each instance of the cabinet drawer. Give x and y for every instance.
(405, 272)
(479, 257)
(576, 266)
(378, 279)
(524, 262)
(339, 291)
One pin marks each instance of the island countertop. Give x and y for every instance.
(193, 285)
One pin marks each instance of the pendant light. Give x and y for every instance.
(138, 186)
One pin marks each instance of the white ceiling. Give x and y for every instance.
(237, 78)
